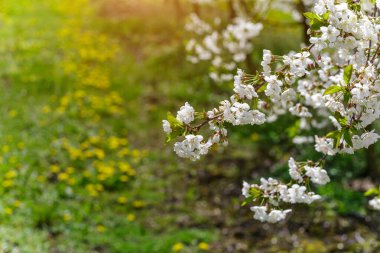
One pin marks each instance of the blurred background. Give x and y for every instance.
(83, 162)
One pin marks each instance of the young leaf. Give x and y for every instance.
(372, 191)
(326, 16)
(342, 120)
(347, 73)
(262, 88)
(174, 122)
(337, 140)
(346, 97)
(311, 16)
(255, 193)
(332, 89)
(333, 134)
(247, 200)
(348, 137)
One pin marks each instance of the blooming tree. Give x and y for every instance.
(332, 83)
(227, 43)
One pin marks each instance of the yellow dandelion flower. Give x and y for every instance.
(13, 160)
(72, 181)
(99, 154)
(131, 217)
(124, 167)
(8, 183)
(102, 177)
(63, 176)
(255, 137)
(67, 217)
(85, 145)
(123, 152)
(203, 246)
(70, 170)
(54, 168)
(41, 178)
(46, 109)
(101, 228)
(99, 187)
(80, 94)
(11, 174)
(86, 174)
(138, 204)
(122, 200)
(17, 203)
(124, 178)
(5, 149)
(136, 153)
(8, 211)
(74, 153)
(21, 145)
(65, 101)
(178, 247)
(13, 113)
(91, 190)
(113, 142)
(131, 172)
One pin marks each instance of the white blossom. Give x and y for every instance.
(274, 216)
(192, 147)
(186, 114)
(294, 170)
(166, 127)
(245, 189)
(375, 203)
(317, 175)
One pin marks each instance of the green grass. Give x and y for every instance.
(41, 212)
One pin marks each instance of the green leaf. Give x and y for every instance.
(332, 89)
(326, 16)
(174, 122)
(346, 97)
(311, 16)
(333, 134)
(173, 135)
(342, 120)
(348, 137)
(177, 128)
(255, 103)
(337, 140)
(347, 73)
(262, 88)
(373, 191)
(315, 20)
(247, 200)
(171, 118)
(255, 193)
(316, 24)
(336, 136)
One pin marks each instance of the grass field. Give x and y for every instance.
(75, 178)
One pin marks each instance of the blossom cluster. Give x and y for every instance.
(333, 83)
(225, 45)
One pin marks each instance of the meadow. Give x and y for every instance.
(84, 166)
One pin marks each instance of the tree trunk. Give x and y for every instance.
(196, 9)
(178, 9)
(372, 167)
(231, 9)
(302, 9)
